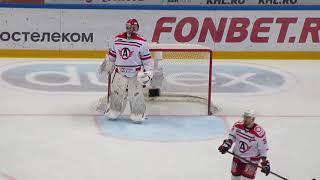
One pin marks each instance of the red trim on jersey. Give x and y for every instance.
(118, 69)
(244, 134)
(256, 129)
(239, 125)
(133, 36)
(122, 35)
(244, 137)
(111, 53)
(127, 44)
(138, 37)
(145, 58)
(255, 158)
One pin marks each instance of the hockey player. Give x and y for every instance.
(130, 58)
(250, 144)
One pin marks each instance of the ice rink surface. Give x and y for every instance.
(50, 134)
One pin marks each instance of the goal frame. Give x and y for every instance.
(201, 49)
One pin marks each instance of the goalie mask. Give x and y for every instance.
(132, 26)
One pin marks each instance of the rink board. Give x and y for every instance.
(71, 31)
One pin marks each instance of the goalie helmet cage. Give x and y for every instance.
(188, 72)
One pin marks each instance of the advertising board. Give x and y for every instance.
(190, 2)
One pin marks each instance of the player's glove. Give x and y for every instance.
(102, 67)
(227, 143)
(106, 66)
(144, 77)
(265, 166)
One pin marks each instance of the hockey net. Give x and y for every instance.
(183, 75)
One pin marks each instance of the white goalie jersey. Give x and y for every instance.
(249, 144)
(130, 55)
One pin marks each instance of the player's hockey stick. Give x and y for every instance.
(281, 177)
(109, 86)
(104, 101)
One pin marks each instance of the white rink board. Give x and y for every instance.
(105, 24)
(29, 20)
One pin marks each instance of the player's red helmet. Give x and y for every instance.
(132, 26)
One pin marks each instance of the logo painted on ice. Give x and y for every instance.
(230, 78)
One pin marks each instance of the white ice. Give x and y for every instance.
(47, 136)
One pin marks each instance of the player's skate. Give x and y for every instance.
(112, 115)
(137, 118)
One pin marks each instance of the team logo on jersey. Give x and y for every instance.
(244, 147)
(125, 53)
(259, 131)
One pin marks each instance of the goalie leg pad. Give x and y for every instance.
(137, 118)
(118, 97)
(112, 114)
(136, 100)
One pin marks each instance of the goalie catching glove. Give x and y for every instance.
(106, 66)
(144, 77)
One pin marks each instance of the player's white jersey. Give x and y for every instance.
(130, 55)
(249, 144)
